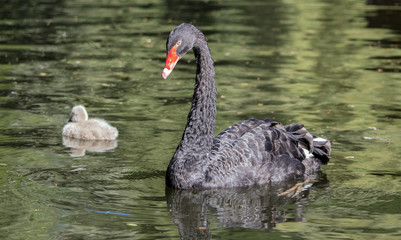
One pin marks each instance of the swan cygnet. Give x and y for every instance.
(79, 126)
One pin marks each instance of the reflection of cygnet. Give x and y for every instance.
(80, 146)
(81, 127)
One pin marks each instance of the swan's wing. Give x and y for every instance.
(264, 137)
(254, 152)
(236, 131)
(260, 151)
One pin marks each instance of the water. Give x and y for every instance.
(332, 65)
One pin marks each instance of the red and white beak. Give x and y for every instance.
(171, 61)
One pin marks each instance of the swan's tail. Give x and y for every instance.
(322, 149)
(317, 150)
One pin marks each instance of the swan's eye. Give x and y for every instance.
(179, 43)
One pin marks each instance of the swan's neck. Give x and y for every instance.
(198, 135)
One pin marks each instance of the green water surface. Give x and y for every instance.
(331, 65)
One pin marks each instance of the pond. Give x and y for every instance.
(331, 65)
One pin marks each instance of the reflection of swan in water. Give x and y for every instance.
(79, 126)
(80, 146)
(257, 207)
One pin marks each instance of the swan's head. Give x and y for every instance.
(179, 42)
(78, 114)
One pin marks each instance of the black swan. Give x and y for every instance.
(79, 126)
(248, 153)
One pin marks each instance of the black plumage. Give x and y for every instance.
(247, 153)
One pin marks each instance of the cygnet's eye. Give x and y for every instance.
(179, 43)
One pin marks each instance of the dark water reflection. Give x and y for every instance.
(258, 207)
(332, 65)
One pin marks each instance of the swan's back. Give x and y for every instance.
(263, 151)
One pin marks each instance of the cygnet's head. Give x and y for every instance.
(78, 114)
